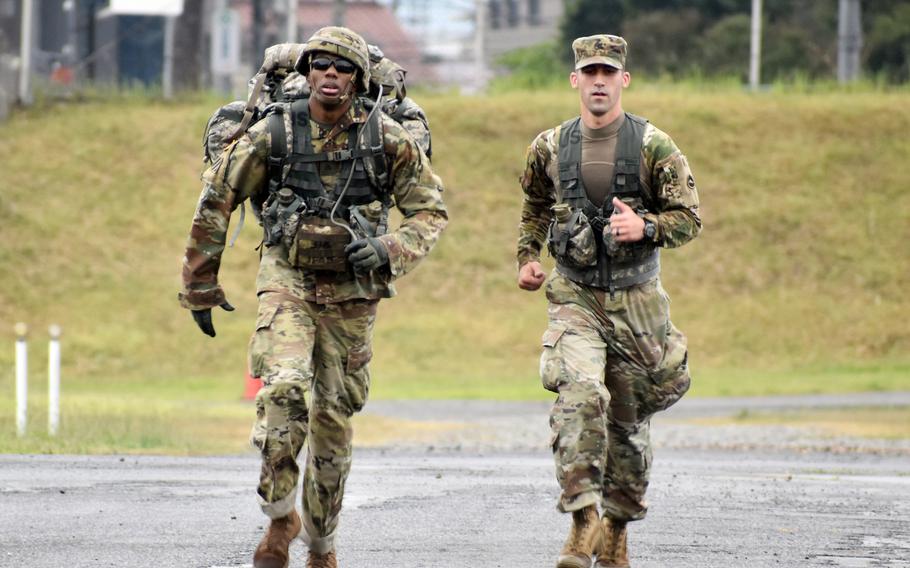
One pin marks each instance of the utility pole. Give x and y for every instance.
(258, 24)
(480, 23)
(755, 47)
(849, 40)
(338, 13)
(291, 22)
(167, 79)
(25, 53)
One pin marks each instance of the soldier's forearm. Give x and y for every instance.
(414, 239)
(677, 227)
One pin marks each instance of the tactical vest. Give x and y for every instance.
(298, 206)
(369, 180)
(629, 263)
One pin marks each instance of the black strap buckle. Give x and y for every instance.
(338, 155)
(323, 203)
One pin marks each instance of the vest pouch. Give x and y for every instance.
(572, 241)
(319, 245)
(622, 253)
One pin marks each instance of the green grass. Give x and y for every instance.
(860, 377)
(798, 283)
(889, 423)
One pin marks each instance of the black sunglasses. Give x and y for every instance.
(343, 66)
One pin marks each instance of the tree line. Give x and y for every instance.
(679, 38)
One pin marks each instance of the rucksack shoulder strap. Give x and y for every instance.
(375, 159)
(278, 148)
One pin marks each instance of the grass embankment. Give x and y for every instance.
(798, 283)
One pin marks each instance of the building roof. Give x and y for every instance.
(375, 22)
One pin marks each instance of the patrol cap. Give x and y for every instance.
(600, 49)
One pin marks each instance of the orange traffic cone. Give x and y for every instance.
(253, 384)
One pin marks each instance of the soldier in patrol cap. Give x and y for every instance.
(322, 173)
(605, 191)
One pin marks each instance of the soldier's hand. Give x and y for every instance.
(531, 276)
(367, 254)
(203, 318)
(281, 56)
(626, 225)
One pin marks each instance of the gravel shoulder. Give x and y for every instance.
(524, 426)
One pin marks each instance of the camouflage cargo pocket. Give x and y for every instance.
(670, 380)
(261, 342)
(552, 369)
(357, 375)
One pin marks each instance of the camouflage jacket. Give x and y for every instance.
(666, 182)
(240, 173)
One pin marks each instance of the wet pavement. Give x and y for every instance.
(481, 501)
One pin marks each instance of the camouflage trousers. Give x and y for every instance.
(613, 362)
(313, 362)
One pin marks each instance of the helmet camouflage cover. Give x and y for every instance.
(342, 42)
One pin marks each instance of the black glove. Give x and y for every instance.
(367, 254)
(204, 318)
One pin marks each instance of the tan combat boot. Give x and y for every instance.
(326, 560)
(614, 553)
(272, 551)
(584, 539)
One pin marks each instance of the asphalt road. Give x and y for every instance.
(487, 504)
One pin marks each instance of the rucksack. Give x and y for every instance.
(230, 121)
(283, 85)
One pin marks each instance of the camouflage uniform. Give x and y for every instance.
(613, 359)
(312, 341)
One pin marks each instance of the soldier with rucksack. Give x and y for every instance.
(322, 170)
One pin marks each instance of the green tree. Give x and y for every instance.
(887, 48)
(531, 67)
(724, 48)
(661, 41)
(798, 37)
(588, 17)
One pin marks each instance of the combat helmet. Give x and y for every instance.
(342, 42)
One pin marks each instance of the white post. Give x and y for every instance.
(291, 22)
(167, 72)
(480, 23)
(21, 378)
(25, 54)
(53, 380)
(755, 47)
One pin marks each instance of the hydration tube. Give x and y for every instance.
(360, 134)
